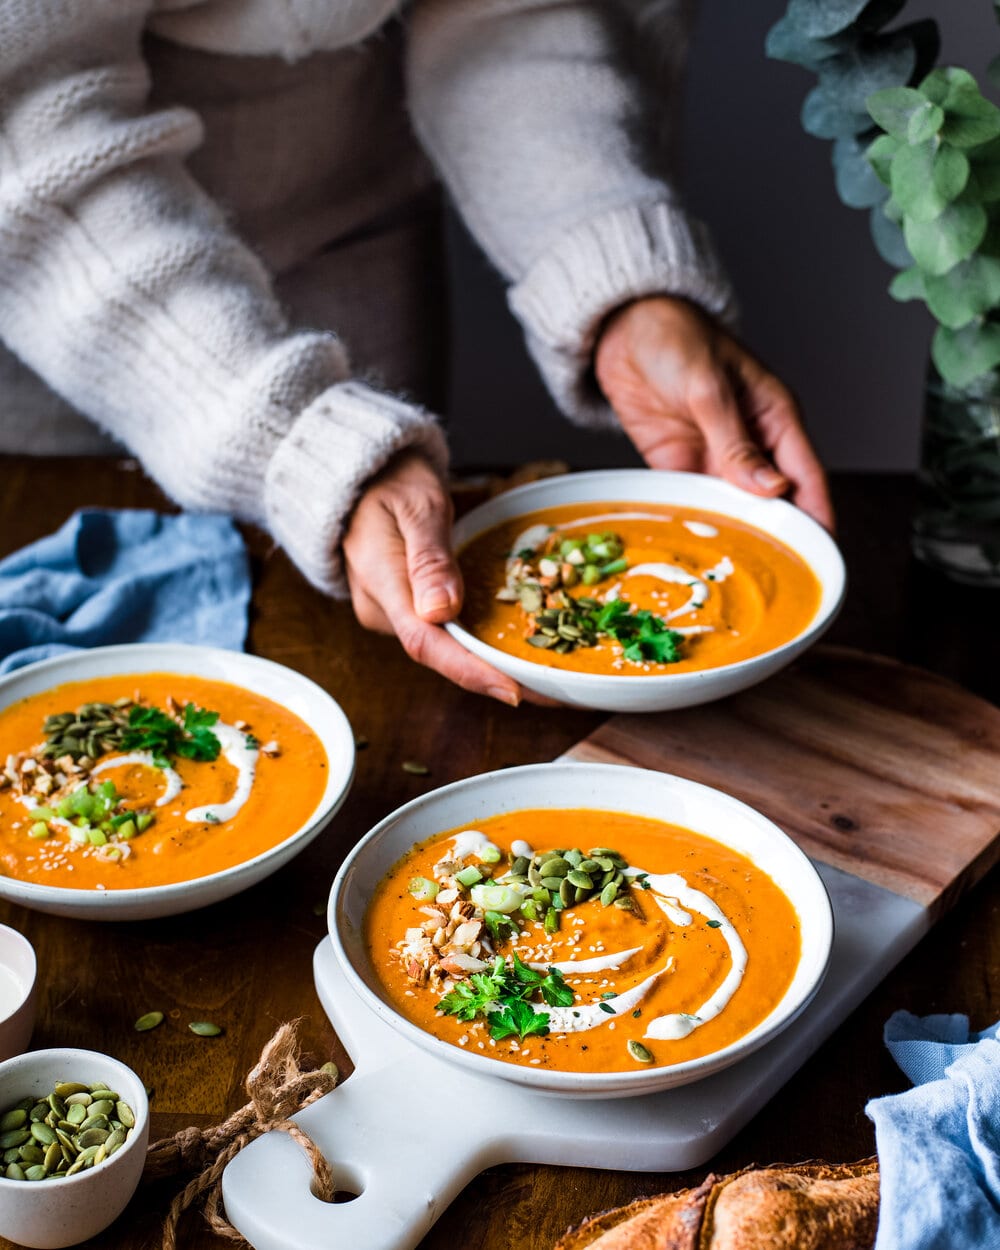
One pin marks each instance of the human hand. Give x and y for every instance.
(689, 396)
(403, 577)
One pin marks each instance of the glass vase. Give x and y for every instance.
(956, 526)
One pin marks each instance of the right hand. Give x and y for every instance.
(403, 576)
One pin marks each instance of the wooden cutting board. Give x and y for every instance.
(884, 771)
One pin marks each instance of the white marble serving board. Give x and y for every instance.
(392, 1135)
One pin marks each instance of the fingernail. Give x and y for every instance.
(434, 599)
(505, 694)
(768, 478)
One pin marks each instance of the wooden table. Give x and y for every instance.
(246, 964)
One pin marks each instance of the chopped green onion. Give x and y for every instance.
(490, 854)
(468, 876)
(552, 921)
(496, 898)
(423, 890)
(39, 830)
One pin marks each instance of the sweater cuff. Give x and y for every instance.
(625, 254)
(320, 468)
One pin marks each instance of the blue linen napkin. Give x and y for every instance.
(939, 1143)
(113, 576)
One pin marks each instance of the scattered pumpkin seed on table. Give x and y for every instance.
(205, 1028)
(415, 768)
(149, 1021)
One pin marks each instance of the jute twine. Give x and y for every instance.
(278, 1088)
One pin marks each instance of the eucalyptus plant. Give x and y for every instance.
(919, 148)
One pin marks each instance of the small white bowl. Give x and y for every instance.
(282, 685)
(52, 1213)
(606, 787)
(18, 991)
(656, 692)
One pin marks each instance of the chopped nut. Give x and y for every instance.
(271, 749)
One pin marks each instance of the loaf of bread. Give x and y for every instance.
(802, 1206)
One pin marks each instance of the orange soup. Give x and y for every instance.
(629, 589)
(582, 941)
(121, 782)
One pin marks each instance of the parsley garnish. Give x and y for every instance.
(500, 926)
(151, 729)
(714, 924)
(503, 996)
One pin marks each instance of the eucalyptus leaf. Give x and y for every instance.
(873, 63)
(940, 244)
(960, 356)
(825, 116)
(951, 172)
(912, 182)
(786, 42)
(908, 285)
(947, 83)
(879, 155)
(970, 290)
(970, 119)
(888, 240)
(893, 107)
(993, 71)
(984, 181)
(925, 123)
(819, 19)
(858, 184)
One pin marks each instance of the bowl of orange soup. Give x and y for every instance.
(633, 590)
(582, 928)
(146, 780)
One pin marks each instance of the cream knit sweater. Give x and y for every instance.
(123, 286)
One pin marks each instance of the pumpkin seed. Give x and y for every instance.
(639, 1052)
(102, 1091)
(30, 1153)
(583, 893)
(625, 903)
(552, 883)
(94, 1121)
(589, 866)
(53, 1157)
(92, 1137)
(205, 1028)
(79, 1098)
(519, 868)
(574, 857)
(331, 1069)
(541, 640)
(102, 1106)
(115, 1139)
(15, 1137)
(39, 1111)
(11, 1156)
(567, 892)
(76, 1114)
(557, 866)
(57, 1105)
(36, 1172)
(15, 1172)
(609, 894)
(13, 1119)
(579, 879)
(530, 596)
(415, 768)
(125, 1116)
(41, 1132)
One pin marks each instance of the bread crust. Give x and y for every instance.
(800, 1206)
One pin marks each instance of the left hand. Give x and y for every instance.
(689, 396)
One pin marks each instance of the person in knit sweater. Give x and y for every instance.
(218, 227)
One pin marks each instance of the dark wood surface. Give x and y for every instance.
(246, 964)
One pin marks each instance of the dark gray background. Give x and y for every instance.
(811, 286)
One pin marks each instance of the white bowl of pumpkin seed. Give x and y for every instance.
(74, 1126)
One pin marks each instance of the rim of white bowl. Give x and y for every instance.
(27, 981)
(555, 1080)
(833, 587)
(74, 1054)
(338, 784)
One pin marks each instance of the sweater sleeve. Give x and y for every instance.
(122, 286)
(527, 113)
